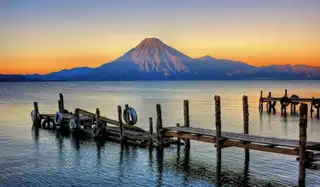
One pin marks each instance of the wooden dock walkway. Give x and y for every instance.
(95, 125)
(207, 135)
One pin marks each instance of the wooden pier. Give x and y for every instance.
(294, 100)
(93, 125)
(308, 153)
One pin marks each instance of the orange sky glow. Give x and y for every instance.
(43, 37)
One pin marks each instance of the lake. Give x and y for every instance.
(52, 160)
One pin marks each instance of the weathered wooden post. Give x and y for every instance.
(150, 132)
(317, 106)
(303, 121)
(120, 123)
(246, 124)
(59, 106)
(126, 106)
(186, 118)
(178, 125)
(218, 136)
(37, 120)
(61, 103)
(98, 118)
(284, 109)
(159, 126)
(77, 115)
(286, 93)
(269, 103)
(260, 101)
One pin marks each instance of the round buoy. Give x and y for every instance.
(130, 116)
(48, 124)
(294, 97)
(73, 123)
(98, 132)
(58, 118)
(285, 101)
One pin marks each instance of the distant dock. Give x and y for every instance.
(285, 101)
(86, 124)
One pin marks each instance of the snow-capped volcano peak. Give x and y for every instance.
(152, 55)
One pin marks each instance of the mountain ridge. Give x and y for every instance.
(151, 59)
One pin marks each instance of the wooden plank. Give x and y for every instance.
(245, 137)
(239, 144)
(110, 121)
(65, 116)
(266, 99)
(191, 137)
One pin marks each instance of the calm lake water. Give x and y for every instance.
(51, 160)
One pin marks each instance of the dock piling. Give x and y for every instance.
(120, 123)
(286, 93)
(303, 121)
(178, 125)
(61, 108)
(218, 136)
(37, 121)
(186, 118)
(246, 123)
(150, 131)
(98, 117)
(311, 107)
(159, 126)
(284, 108)
(269, 103)
(260, 101)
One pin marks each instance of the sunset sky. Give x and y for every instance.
(41, 36)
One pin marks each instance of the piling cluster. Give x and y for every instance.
(294, 100)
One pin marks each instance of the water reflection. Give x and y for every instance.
(159, 165)
(60, 144)
(55, 158)
(35, 132)
(100, 146)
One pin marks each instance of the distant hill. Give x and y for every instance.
(151, 59)
(14, 78)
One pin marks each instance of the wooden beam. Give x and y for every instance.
(190, 137)
(232, 143)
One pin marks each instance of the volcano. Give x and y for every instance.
(152, 59)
